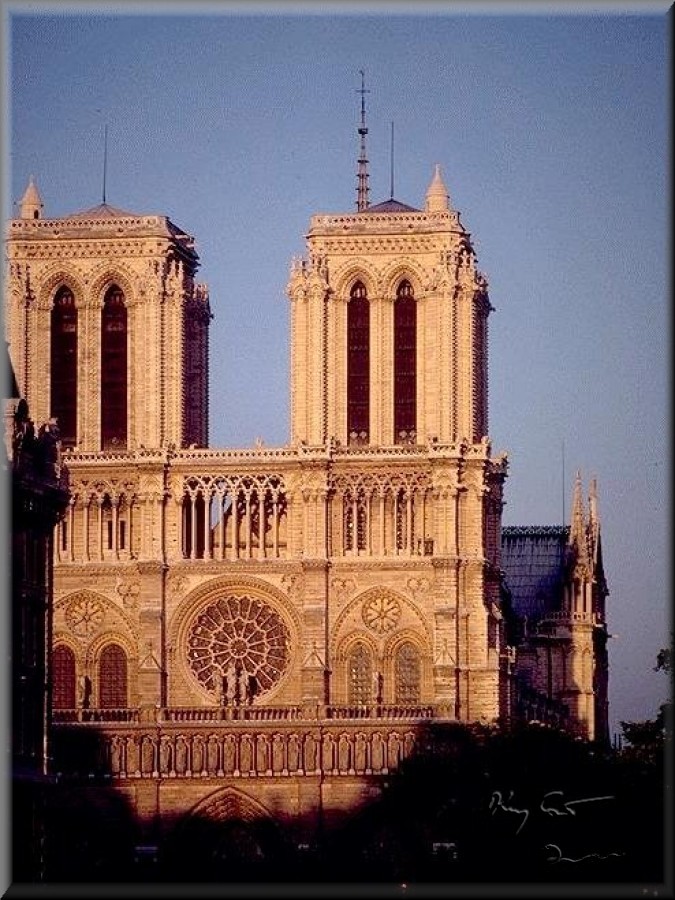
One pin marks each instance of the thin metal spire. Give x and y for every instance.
(105, 157)
(362, 172)
(564, 487)
(392, 161)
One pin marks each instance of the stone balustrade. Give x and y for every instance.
(179, 744)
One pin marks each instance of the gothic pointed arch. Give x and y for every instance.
(405, 364)
(358, 364)
(229, 803)
(407, 673)
(113, 680)
(226, 835)
(64, 694)
(360, 669)
(114, 367)
(63, 364)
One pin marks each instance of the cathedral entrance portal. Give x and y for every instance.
(227, 837)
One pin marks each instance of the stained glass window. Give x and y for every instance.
(407, 674)
(63, 678)
(360, 675)
(112, 678)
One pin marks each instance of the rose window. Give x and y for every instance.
(381, 613)
(84, 615)
(238, 634)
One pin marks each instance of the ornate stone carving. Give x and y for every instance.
(84, 615)
(238, 638)
(128, 591)
(381, 612)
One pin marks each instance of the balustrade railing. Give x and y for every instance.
(246, 713)
(256, 741)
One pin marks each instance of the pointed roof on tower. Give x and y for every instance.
(437, 198)
(31, 205)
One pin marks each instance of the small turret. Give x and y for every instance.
(31, 205)
(437, 198)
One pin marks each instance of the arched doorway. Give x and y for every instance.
(227, 837)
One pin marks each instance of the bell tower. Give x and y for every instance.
(389, 387)
(389, 328)
(108, 329)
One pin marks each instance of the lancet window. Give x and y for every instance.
(114, 370)
(63, 369)
(360, 675)
(63, 678)
(356, 524)
(407, 674)
(112, 678)
(358, 365)
(405, 365)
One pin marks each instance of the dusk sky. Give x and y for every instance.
(552, 134)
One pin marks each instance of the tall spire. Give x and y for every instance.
(362, 172)
(578, 536)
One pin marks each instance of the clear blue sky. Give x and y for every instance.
(552, 133)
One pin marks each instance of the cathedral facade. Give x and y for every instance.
(288, 611)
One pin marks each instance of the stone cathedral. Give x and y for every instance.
(254, 631)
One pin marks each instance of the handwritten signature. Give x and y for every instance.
(552, 803)
(558, 857)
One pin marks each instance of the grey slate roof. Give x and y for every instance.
(390, 206)
(103, 211)
(533, 560)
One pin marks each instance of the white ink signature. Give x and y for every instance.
(558, 857)
(552, 803)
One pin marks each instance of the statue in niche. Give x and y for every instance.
(344, 753)
(328, 753)
(165, 755)
(262, 754)
(212, 755)
(277, 753)
(198, 755)
(230, 684)
(377, 752)
(245, 754)
(251, 689)
(229, 753)
(181, 755)
(293, 753)
(147, 756)
(132, 756)
(360, 752)
(310, 753)
(395, 748)
(84, 691)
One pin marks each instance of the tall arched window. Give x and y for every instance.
(114, 370)
(360, 675)
(358, 365)
(112, 678)
(405, 364)
(63, 678)
(63, 368)
(407, 674)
